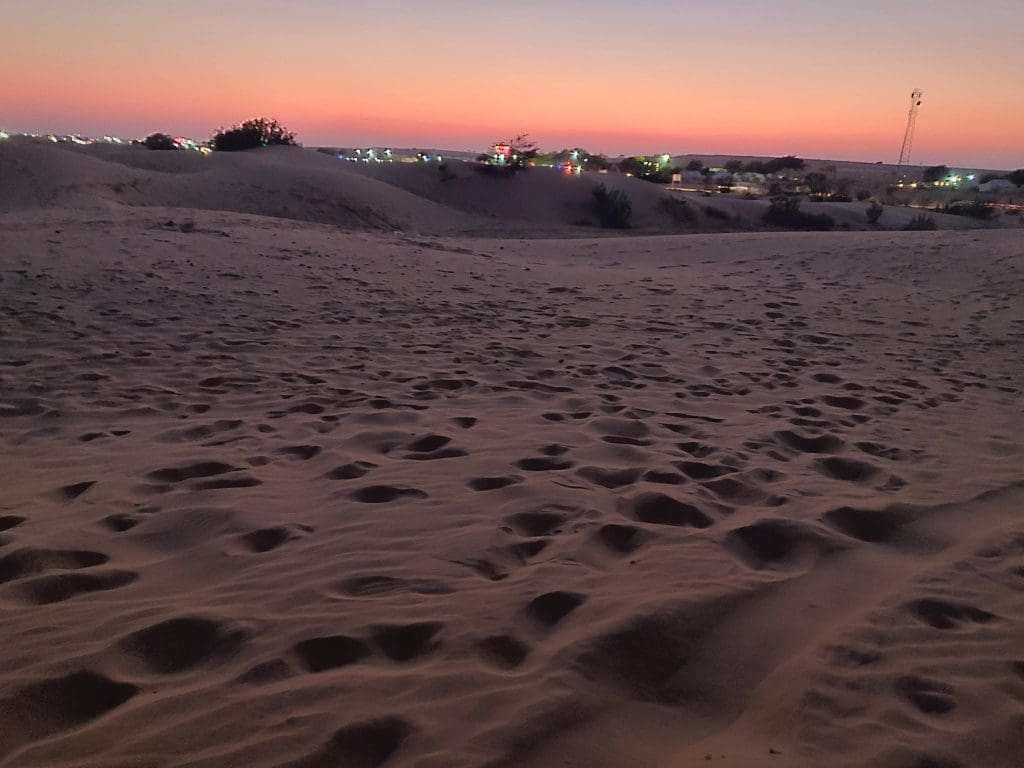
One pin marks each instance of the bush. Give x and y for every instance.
(715, 213)
(975, 210)
(444, 172)
(921, 223)
(252, 134)
(874, 213)
(1017, 177)
(695, 165)
(678, 209)
(863, 194)
(613, 208)
(159, 141)
(785, 211)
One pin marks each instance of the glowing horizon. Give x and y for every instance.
(761, 78)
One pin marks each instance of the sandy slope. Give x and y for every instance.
(278, 494)
(281, 495)
(305, 185)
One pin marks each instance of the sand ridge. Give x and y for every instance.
(309, 186)
(285, 495)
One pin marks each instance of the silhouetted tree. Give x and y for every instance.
(789, 162)
(647, 169)
(695, 165)
(818, 183)
(159, 141)
(1017, 177)
(581, 157)
(523, 151)
(252, 134)
(734, 166)
(935, 173)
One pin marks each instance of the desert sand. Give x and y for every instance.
(395, 490)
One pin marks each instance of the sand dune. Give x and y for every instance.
(309, 186)
(283, 494)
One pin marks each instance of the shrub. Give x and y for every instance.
(695, 165)
(252, 134)
(715, 213)
(734, 166)
(863, 194)
(678, 209)
(874, 213)
(975, 210)
(159, 141)
(785, 211)
(920, 223)
(445, 172)
(1017, 177)
(613, 208)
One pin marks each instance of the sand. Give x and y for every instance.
(286, 494)
(305, 185)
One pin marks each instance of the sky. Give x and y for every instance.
(815, 78)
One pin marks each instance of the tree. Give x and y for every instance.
(874, 213)
(653, 169)
(252, 134)
(159, 141)
(695, 165)
(523, 151)
(613, 208)
(1017, 177)
(775, 165)
(788, 161)
(935, 173)
(734, 166)
(818, 183)
(709, 180)
(580, 157)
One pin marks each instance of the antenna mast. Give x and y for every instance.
(908, 136)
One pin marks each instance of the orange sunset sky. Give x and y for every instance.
(818, 79)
